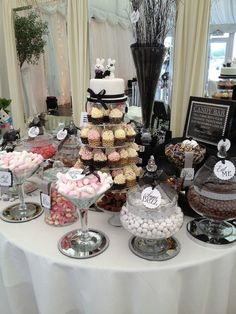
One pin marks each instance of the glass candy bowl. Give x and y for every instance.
(176, 153)
(153, 227)
(215, 200)
(22, 165)
(83, 191)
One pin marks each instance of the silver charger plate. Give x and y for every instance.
(199, 236)
(70, 244)
(144, 248)
(8, 213)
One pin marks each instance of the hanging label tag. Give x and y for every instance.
(61, 134)
(75, 174)
(192, 143)
(151, 198)
(224, 170)
(45, 200)
(141, 148)
(225, 143)
(134, 17)
(187, 173)
(33, 132)
(6, 178)
(83, 118)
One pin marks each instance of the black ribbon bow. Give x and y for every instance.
(91, 170)
(98, 97)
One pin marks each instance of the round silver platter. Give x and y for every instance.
(203, 238)
(8, 214)
(70, 244)
(147, 248)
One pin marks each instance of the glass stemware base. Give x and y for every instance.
(15, 213)
(212, 232)
(73, 244)
(154, 249)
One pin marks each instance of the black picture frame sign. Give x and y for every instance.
(209, 120)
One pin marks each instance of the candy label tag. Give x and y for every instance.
(224, 170)
(141, 148)
(83, 118)
(74, 174)
(6, 178)
(33, 132)
(187, 173)
(61, 134)
(192, 143)
(134, 17)
(151, 198)
(225, 143)
(45, 200)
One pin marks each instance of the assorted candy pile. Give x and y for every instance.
(152, 228)
(19, 162)
(86, 186)
(47, 151)
(62, 211)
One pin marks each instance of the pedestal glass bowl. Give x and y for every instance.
(153, 228)
(215, 200)
(24, 211)
(176, 153)
(84, 242)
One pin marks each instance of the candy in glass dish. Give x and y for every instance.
(151, 214)
(176, 153)
(16, 168)
(213, 196)
(68, 149)
(83, 188)
(59, 211)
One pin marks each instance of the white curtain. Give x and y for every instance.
(111, 40)
(78, 48)
(56, 51)
(223, 16)
(13, 70)
(189, 58)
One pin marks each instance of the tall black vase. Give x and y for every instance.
(148, 62)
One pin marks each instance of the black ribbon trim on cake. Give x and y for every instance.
(111, 98)
(98, 97)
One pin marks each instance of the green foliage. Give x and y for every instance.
(29, 32)
(4, 103)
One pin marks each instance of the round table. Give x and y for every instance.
(35, 278)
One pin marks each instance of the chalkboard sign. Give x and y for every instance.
(208, 120)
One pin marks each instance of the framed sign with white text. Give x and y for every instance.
(208, 120)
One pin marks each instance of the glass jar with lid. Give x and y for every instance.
(68, 149)
(151, 214)
(213, 196)
(61, 212)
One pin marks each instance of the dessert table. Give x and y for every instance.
(35, 278)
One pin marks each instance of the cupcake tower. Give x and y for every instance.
(108, 143)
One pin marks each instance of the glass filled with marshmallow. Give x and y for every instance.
(15, 169)
(151, 214)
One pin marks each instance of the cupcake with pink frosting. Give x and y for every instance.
(94, 137)
(114, 159)
(86, 156)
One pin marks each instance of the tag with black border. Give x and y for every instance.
(6, 178)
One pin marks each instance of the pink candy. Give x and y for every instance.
(62, 211)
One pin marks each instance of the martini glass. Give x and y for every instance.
(84, 242)
(23, 211)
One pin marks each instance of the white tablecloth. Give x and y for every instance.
(35, 278)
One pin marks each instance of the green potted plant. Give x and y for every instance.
(29, 31)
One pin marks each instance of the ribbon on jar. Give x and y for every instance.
(91, 170)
